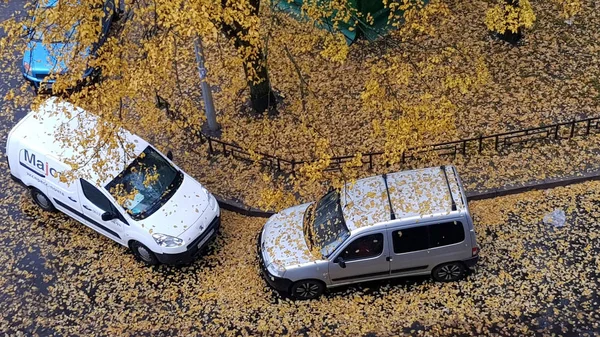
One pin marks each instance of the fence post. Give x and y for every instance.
(370, 161)
(293, 167)
(496, 145)
(464, 148)
(403, 157)
(224, 149)
(210, 146)
(556, 131)
(572, 128)
(587, 128)
(480, 143)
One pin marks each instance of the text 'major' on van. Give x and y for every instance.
(400, 224)
(141, 199)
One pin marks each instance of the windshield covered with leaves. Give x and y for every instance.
(146, 184)
(324, 225)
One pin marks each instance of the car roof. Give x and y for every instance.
(54, 119)
(412, 194)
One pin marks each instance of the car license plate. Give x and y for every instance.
(205, 238)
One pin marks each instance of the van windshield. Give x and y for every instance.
(324, 225)
(146, 184)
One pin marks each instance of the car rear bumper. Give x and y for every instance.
(470, 263)
(195, 248)
(277, 283)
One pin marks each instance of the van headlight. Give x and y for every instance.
(212, 201)
(165, 240)
(275, 270)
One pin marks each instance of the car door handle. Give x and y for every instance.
(389, 259)
(73, 200)
(86, 207)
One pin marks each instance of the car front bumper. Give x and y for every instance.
(195, 248)
(277, 283)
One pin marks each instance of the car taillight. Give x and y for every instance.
(475, 251)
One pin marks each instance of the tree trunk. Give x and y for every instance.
(261, 96)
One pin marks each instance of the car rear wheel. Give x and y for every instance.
(143, 253)
(307, 289)
(42, 200)
(449, 272)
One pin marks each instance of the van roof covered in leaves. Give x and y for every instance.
(94, 159)
(416, 193)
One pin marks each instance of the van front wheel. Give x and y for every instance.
(449, 272)
(42, 200)
(143, 253)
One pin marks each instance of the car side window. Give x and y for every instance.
(363, 247)
(95, 196)
(410, 239)
(447, 233)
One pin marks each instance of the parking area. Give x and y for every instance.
(59, 277)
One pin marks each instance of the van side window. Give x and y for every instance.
(95, 196)
(364, 247)
(447, 233)
(410, 239)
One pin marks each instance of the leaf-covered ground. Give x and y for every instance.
(552, 76)
(61, 278)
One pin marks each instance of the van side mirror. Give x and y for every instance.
(106, 216)
(170, 155)
(340, 260)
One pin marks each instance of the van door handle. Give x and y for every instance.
(73, 200)
(86, 207)
(389, 259)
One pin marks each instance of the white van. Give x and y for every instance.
(163, 215)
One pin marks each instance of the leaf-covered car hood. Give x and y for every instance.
(44, 59)
(283, 242)
(182, 210)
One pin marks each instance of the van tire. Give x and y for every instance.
(448, 272)
(42, 200)
(143, 253)
(307, 289)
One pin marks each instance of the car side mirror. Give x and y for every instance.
(170, 155)
(340, 260)
(106, 216)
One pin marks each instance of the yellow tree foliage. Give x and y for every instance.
(568, 8)
(400, 97)
(509, 17)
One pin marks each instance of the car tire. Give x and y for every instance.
(448, 272)
(307, 289)
(42, 200)
(143, 253)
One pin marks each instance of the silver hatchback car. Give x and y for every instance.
(400, 224)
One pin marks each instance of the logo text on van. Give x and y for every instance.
(30, 162)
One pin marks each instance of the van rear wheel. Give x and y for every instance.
(307, 289)
(143, 253)
(449, 272)
(42, 200)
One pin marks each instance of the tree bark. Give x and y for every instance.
(261, 96)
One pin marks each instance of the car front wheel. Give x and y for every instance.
(449, 272)
(307, 289)
(143, 253)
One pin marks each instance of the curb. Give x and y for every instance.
(532, 186)
(242, 209)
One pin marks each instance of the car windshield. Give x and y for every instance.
(324, 225)
(146, 184)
